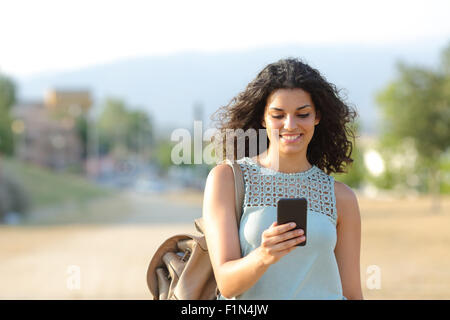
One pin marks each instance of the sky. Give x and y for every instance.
(48, 36)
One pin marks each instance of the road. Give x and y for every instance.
(105, 247)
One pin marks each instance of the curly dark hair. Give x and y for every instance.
(330, 146)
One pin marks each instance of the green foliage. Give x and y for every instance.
(140, 133)
(7, 99)
(445, 170)
(400, 168)
(6, 134)
(122, 129)
(82, 131)
(13, 196)
(356, 171)
(47, 188)
(112, 124)
(416, 106)
(162, 154)
(7, 92)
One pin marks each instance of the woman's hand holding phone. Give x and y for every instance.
(279, 240)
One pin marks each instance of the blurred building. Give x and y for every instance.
(73, 103)
(46, 132)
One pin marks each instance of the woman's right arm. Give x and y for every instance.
(235, 274)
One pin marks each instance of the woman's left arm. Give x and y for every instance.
(348, 245)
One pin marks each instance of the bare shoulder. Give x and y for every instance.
(346, 202)
(221, 174)
(219, 188)
(343, 192)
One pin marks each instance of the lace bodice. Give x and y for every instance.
(264, 186)
(310, 271)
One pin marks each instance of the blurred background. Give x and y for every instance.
(91, 92)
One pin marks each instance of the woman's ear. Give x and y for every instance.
(318, 117)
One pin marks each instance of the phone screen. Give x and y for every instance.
(293, 210)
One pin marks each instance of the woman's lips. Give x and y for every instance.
(291, 138)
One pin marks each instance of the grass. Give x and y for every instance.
(48, 188)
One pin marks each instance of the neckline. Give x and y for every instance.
(301, 173)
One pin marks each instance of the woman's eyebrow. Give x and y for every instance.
(278, 109)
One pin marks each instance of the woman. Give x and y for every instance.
(307, 129)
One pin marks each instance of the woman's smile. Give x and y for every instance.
(291, 138)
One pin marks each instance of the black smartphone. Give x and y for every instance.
(293, 210)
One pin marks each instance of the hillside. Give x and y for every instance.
(168, 86)
(47, 188)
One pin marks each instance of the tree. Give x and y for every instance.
(112, 124)
(81, 123)
(162, 154)
(356, 171)
(139, 131)
(7, 92)
(7, 99)
(123, 129)
(416, 105)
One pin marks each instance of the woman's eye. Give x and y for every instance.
(300, 115)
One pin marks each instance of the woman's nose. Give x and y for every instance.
(290, 123)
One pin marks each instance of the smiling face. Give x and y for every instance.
(289, 118)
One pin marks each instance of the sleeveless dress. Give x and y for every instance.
(308, 272)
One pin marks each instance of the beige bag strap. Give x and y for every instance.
(238, 188)
(239, 194)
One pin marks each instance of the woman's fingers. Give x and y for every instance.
(276, 229)
(284, 245)
(274, 236)
(279, 240)
(288, 243)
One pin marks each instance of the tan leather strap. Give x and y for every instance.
(238, 188)
(239, 194)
